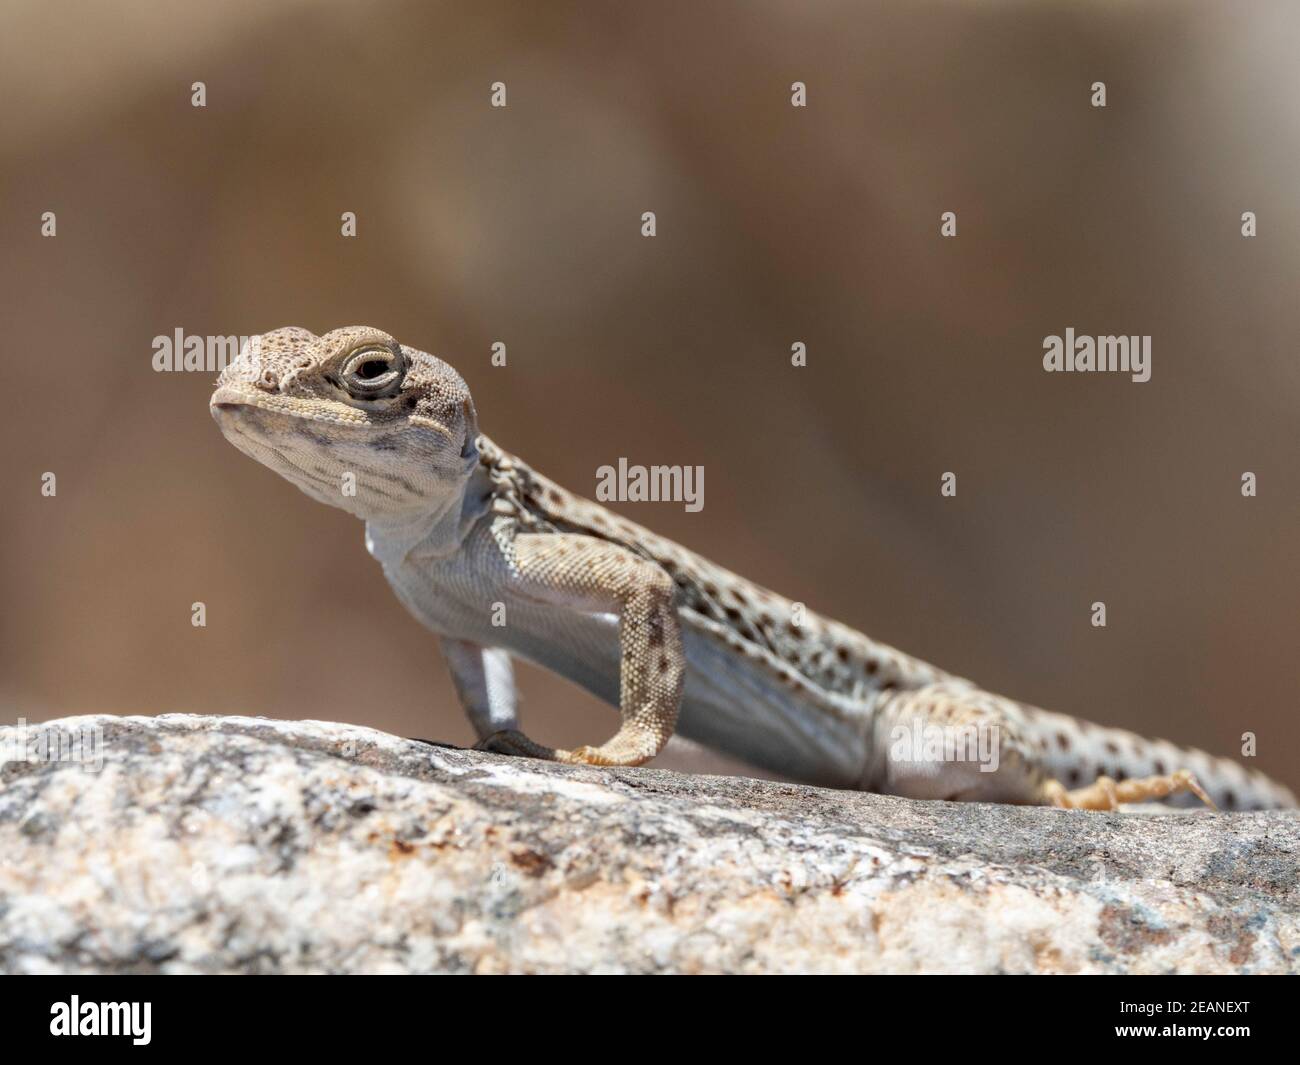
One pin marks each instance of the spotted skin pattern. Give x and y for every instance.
(502, 563)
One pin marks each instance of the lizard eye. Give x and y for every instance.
(374, 371)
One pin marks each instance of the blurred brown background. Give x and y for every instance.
(775, 225)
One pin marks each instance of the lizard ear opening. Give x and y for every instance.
(470, 419)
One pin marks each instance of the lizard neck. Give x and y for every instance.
(436, 532)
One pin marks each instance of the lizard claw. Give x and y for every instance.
(498, 742)
(514, 743)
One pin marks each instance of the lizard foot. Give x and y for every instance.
(1106, 794)
(513, 742)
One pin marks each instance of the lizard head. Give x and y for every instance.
(354, 401)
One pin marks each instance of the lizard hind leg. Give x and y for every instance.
(1105, 793)
(955, 742)
(952, 741)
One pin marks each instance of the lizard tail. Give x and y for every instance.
(1077, 752)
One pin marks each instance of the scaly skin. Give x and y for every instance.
(498, 561)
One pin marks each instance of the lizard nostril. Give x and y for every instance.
(269, 381)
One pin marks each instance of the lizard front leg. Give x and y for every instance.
(582, 573)
(485, 682)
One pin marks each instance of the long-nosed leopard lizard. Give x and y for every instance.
(462, 529)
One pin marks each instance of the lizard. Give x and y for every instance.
(499, 562)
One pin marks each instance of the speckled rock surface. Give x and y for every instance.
(210, 844)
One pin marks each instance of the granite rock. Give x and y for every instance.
(231, 844)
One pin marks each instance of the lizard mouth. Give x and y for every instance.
(236, 404)
(228, 399)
